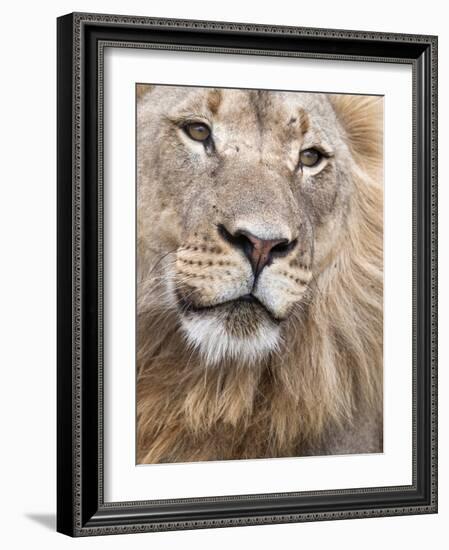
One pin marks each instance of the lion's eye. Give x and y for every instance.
(309, 157)
(197, 131)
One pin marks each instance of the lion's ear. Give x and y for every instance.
(143, 89)
(362, 120)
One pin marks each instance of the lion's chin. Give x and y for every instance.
(245, 335)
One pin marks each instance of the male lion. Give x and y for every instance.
(260, 274)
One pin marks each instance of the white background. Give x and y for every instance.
(123, 481)
(27, 229)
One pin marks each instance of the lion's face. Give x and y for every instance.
(243, 199)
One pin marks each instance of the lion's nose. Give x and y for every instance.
(260, 252)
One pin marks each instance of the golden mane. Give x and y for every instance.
(328, 377)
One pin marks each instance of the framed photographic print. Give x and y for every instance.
(247, 284)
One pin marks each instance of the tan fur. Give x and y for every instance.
(320, 391)
(141, 90)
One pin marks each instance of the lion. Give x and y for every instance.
(259, 274)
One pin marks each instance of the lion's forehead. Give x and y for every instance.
(269, 114)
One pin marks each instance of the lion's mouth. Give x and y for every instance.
(242, 304)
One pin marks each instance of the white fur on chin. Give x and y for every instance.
(208, 335)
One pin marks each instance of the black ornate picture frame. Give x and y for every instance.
(81, 508)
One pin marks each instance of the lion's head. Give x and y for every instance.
(260, 229)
